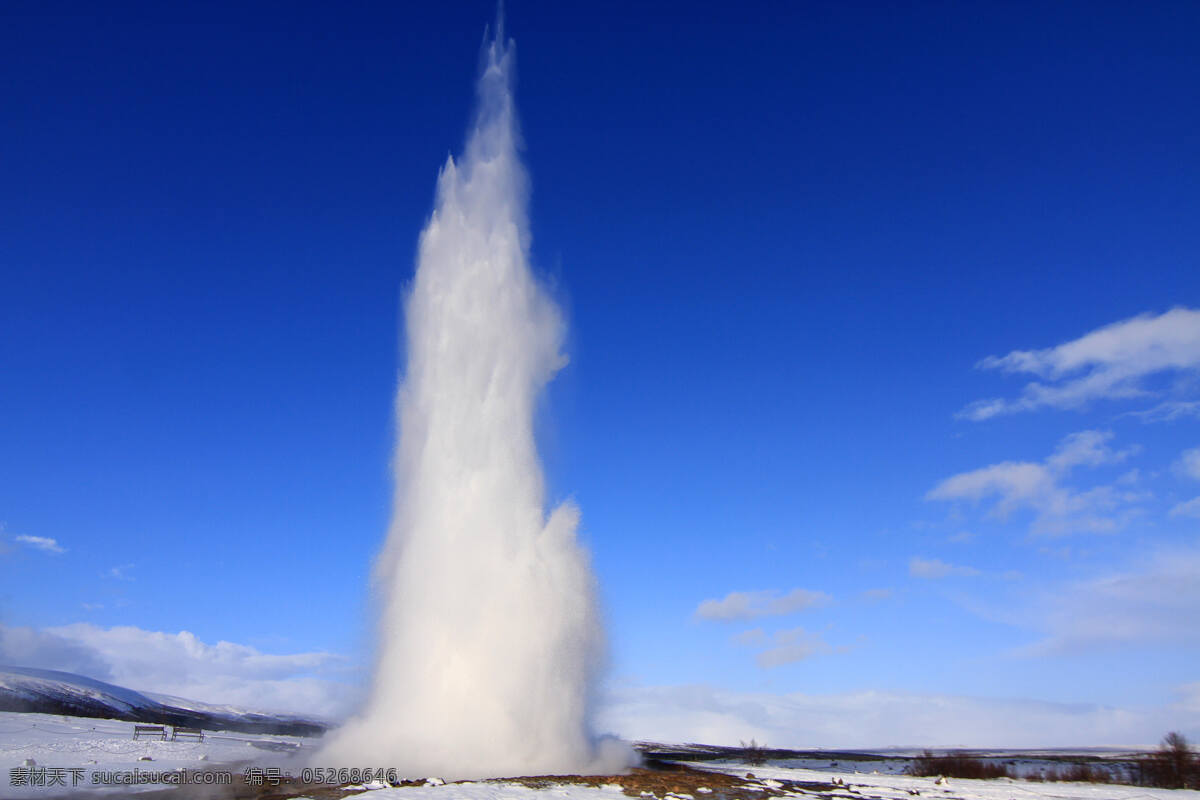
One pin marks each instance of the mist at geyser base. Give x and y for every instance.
(489, 637)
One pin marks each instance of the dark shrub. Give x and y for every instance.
(1173, 766)
(956, 765)
(1084, 773)
(754, 753)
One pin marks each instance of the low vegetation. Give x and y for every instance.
(1077, 773)
(956, 765)
(1174, 765)
(754, 753)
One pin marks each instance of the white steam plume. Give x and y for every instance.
(489, 635)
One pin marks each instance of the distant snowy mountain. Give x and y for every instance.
(47, 691)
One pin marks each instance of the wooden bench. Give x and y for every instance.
(186, 733)
(150, 730)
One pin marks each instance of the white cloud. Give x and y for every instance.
(180, 664)
(1109, 363)
(43, 543)
(767, 603)
(1156, 602)
(783, 647)
(873, 719)
(1088, 449)
(791, 646)
(932, 568)
(1189, 508)
(1168, 411)
(1130, 478)
(754, 637)
(1037, 486)
(120, 573)
(27, 647)
(1189, 463)
(875, 595)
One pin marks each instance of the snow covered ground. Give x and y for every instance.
(82, 753)
(772, 783)
(81, 750)
(860, 785)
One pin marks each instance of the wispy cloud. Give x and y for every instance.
(1109, 363)
(782, 647)
(790, 646)
(183, 665)
(1189, 463)
(1155, 602)
(1168, 411)
(767, 603)
(932, 568)
(43, 543)
(1087, 449)
(1188, 508)
(870, 719)
(1038, 486)
(120, 572)
(755, 637)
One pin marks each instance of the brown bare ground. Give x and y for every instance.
(657, 779)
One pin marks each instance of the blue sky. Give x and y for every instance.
(788, 240)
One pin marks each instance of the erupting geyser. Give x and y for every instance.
(489, 635)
